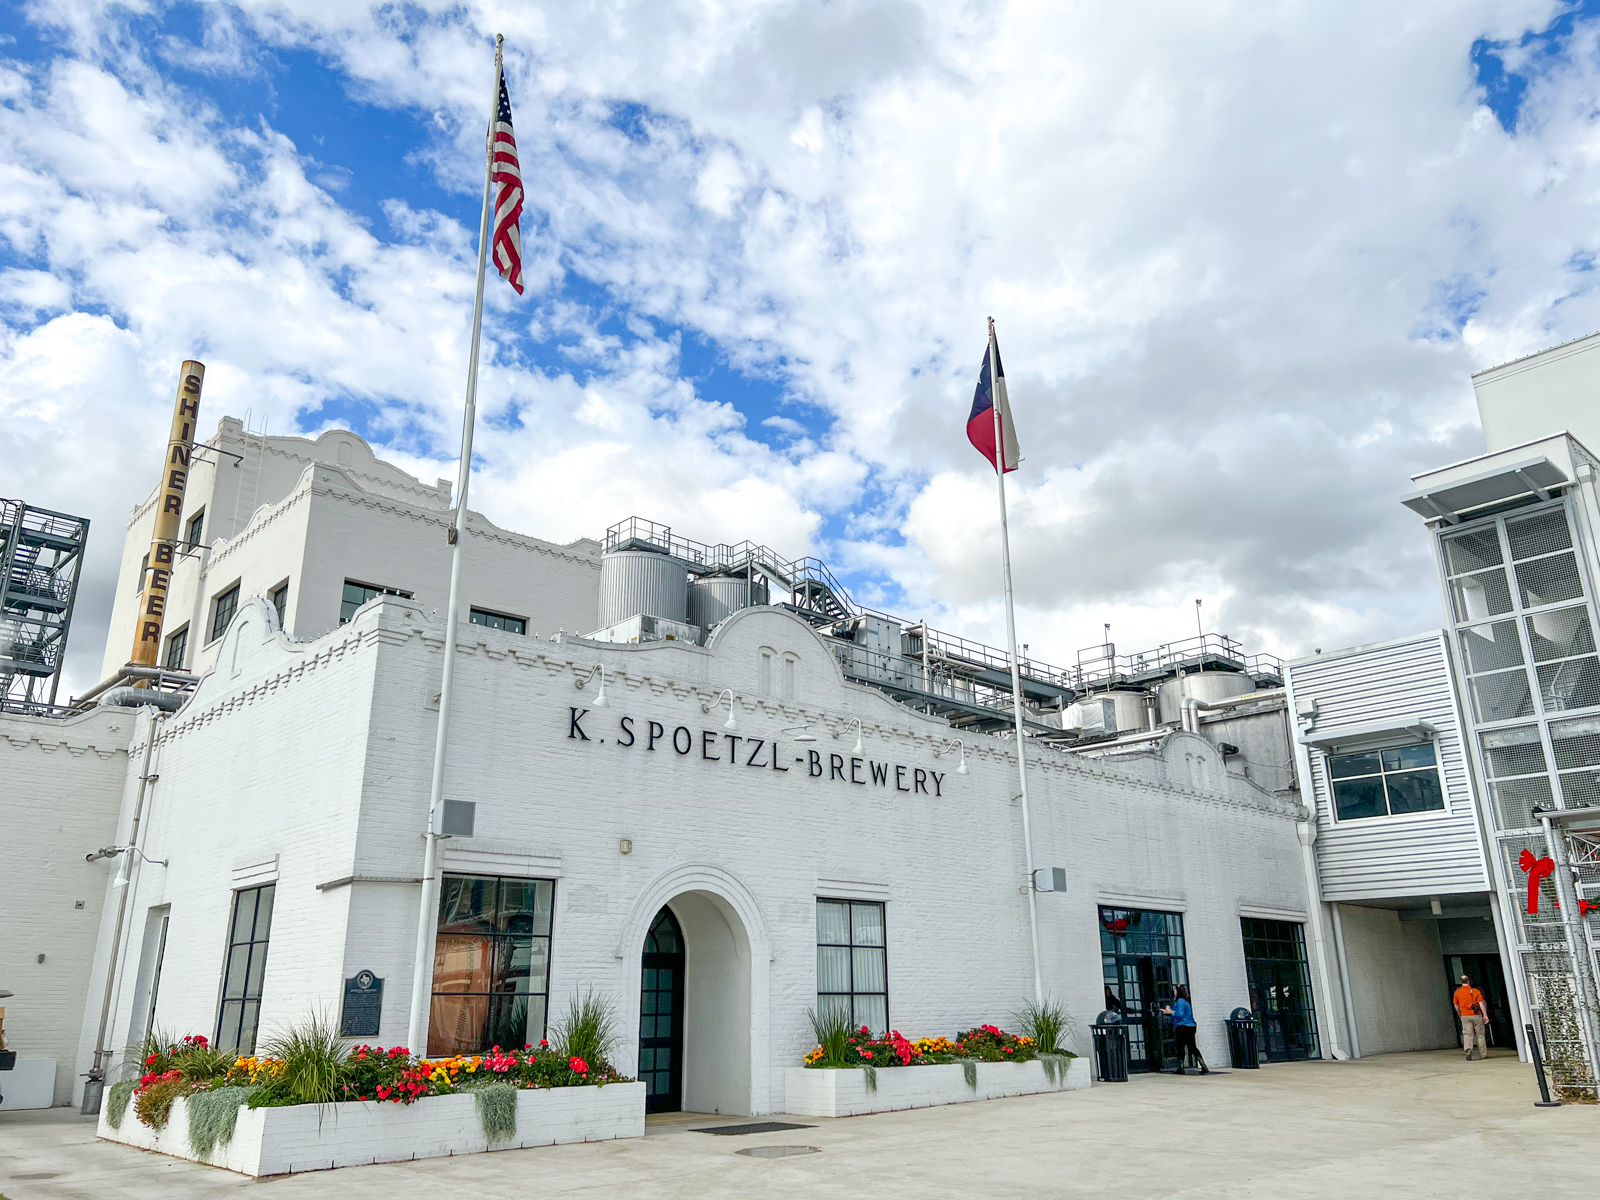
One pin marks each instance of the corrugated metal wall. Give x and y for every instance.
(1423, 854)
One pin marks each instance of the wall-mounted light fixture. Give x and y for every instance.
(600, 700)
(803, 735)
(961, 767)
(730, 724)
(856, 749)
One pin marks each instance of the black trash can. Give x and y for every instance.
(1242, 1052)
(1110, 1048)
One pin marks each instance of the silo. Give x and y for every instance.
(712, 598)
(1205, 686)
(641, 581)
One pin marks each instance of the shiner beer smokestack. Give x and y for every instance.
(164, 539)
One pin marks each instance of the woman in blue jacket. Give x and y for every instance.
(1182, 1014)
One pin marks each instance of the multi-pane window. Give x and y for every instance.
(852, 972)
(494, 620)
(144, 570)
(491, 964)
(240, 1015)
(222, 610)
(1516, 570)
(195, 528)
(357, 594)
(177, 647)
(280, 600)
(1384, 783)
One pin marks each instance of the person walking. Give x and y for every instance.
(1182, 1014)
(1474, 1014)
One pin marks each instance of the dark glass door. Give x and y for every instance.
(1486, 975)
(1280, 988)
(1142, 953)
(661, 1016)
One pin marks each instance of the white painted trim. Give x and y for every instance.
(494, 859)
(742, 905)
(1145, 902)
(851, 889)
(254, 871)
(1274, 914)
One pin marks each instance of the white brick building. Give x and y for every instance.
(300, 764)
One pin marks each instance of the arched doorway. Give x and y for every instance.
(722, 1011)
(661, 1015)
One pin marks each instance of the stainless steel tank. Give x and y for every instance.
(712, 598)
(640, 581)
(1205, 686)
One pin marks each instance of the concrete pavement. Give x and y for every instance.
(1386, 1128)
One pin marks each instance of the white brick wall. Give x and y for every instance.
(60, 786)
(320, 753)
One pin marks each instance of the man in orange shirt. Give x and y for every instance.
(1474, 1016)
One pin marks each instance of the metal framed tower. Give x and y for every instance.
(41, 555)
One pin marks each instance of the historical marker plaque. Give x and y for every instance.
(363, 1005)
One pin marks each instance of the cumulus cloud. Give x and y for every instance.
(1243, 259)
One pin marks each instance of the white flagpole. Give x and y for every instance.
(422, 973)
(1016, 669)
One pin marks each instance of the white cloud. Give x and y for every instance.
(1229, 247)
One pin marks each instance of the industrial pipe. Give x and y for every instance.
(132, 697)
(134, 671)
(1189, 717)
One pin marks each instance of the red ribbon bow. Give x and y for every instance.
(1537, 869)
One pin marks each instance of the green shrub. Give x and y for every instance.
(588, 1031)
(497, 1111)
(117, 1097)
(152, 1103)
(212, 1117)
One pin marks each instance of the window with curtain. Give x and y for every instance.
(491, 964)
(852, 967)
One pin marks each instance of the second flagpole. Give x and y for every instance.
(1016, 668)
(422, 972)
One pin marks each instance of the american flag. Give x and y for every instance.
(507, 179)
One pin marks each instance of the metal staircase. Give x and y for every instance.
(41, 554)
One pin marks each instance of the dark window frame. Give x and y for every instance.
(853, 947)
(223, 608)
(194, 529)
(490, 617)
(177, 647)
(1384, 774)
(1270, 944)
(236, 1002)
(499, 956)
(348, 605)
(278, 597)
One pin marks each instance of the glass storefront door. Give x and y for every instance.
(661, 1015)
(1143, 961)
(1280, 988)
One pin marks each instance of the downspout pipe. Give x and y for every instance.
(95, 1087)
(1344, 978)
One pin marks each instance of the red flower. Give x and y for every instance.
(578, 1065)
(544, 1044)
(866, 1054)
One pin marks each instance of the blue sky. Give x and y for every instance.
(761, 245)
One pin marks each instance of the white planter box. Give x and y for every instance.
(810, 1092)
(277, 1141)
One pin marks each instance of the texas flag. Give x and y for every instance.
(980, 424)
